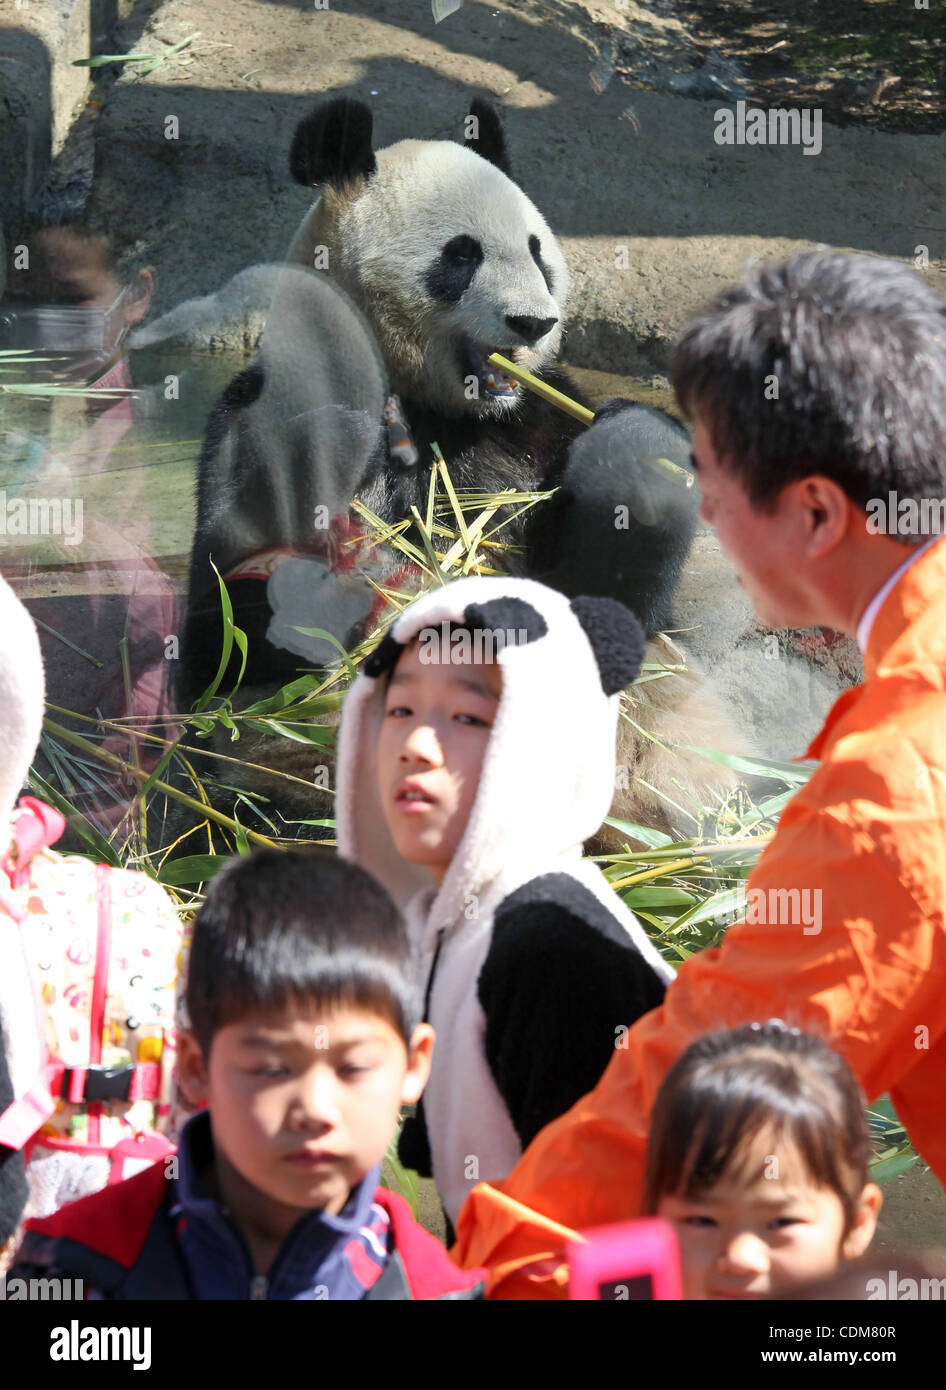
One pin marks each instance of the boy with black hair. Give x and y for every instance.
(304, 1046)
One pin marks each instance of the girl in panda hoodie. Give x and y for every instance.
(476, 755)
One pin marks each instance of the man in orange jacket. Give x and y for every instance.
(819, 393)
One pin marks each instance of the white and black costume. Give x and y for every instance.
(533, 963)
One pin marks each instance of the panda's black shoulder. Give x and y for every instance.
(554, 933)
(560, 980)
(558, 897)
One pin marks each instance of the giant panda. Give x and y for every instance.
(449, 261)
(434, 248)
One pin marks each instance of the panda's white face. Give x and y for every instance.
(450, 262)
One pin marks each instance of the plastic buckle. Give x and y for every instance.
(101, 1082)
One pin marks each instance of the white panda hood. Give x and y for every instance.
(524, 940)
(22, 694)
(547, 777)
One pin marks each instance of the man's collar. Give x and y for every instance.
(908, 592)
(873, 608)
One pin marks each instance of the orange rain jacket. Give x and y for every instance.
(867, 833)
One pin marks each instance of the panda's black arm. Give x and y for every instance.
(555, 991)
(619, 525)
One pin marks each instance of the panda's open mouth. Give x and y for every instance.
(491, 380)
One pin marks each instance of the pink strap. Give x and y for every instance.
(146, 1082)
(20, 1121)
(99, 986)
(35, 825)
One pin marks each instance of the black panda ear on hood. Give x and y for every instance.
(483, 132)
(384, 657)
(333, 144)
(617, 640)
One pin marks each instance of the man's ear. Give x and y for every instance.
(419, 1056)
(191, 1069)
(829, 511)
(862, 1231)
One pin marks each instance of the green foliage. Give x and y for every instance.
(149, 61)
(894, 1154)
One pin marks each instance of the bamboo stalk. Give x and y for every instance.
(659, 871)
(53, 633)
(578, 412)
(542, 388)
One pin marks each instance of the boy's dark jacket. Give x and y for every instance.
(121, 1243)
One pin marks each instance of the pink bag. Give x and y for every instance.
(103, 948)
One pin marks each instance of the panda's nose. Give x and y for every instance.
(530, 329)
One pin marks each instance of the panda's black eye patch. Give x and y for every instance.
(451, 273)
(535, 250)
(463, 248)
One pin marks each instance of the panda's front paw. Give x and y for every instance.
(303, 595)
(612, 407)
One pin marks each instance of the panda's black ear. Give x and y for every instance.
(483, 132)
(512, 616)
(333, 144)
(617, 639)
(384, 657)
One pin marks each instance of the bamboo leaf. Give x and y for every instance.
(330, 637)
(892, 1167)
(102, 59)
(883, 1107)
(655, 838)
(96, 842)
(228, 723)
(195, 868)
(231, 634)
(648, 895)
(314, 734)
(721, 904)
(283, 697)
(153, 60)
(761, 767)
